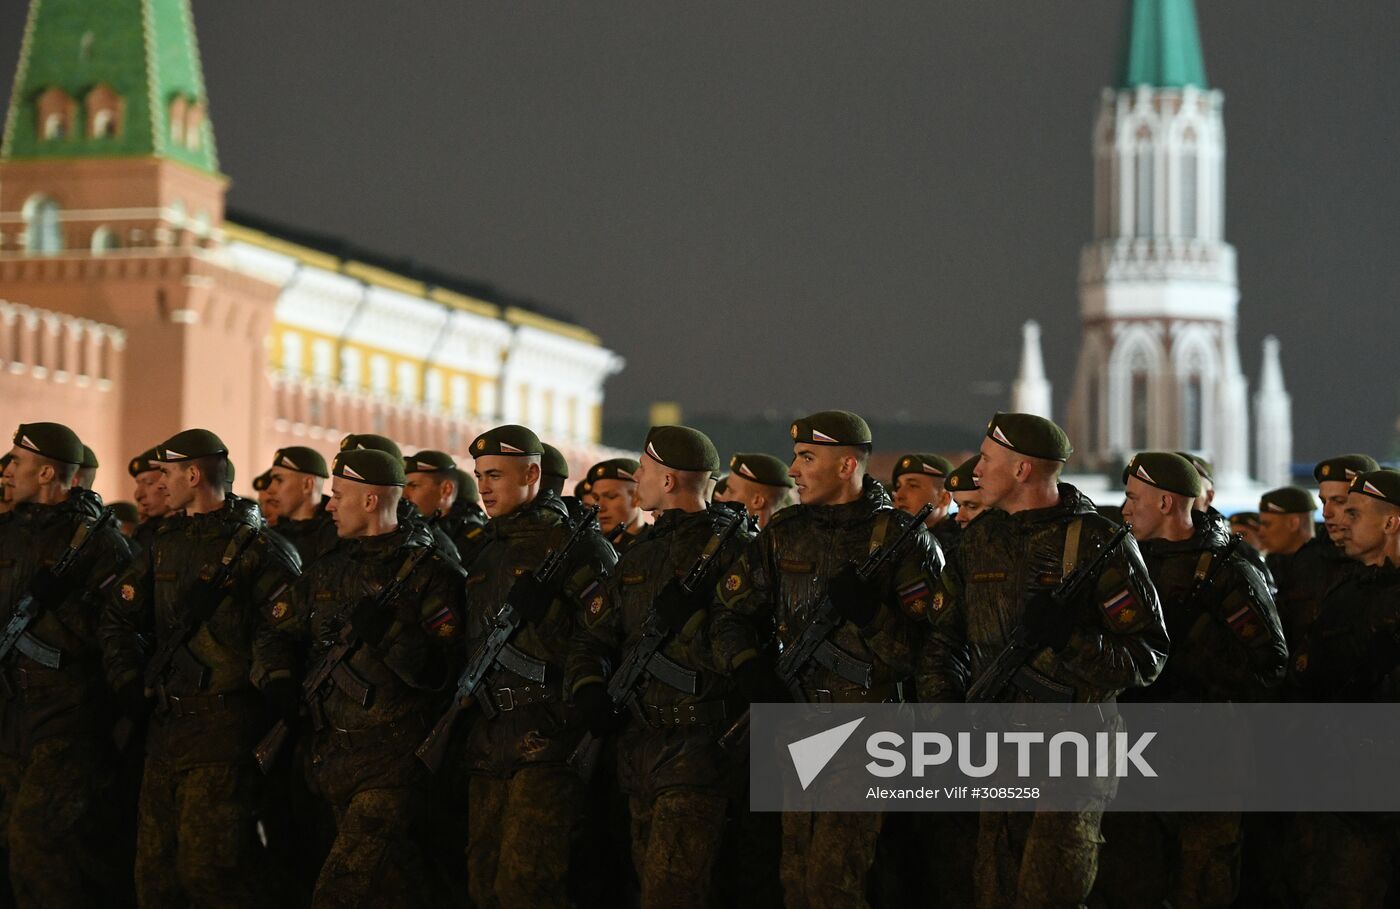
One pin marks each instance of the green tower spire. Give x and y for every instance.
(1163, 47)
(110, 78)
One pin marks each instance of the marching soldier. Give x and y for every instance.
(524, 797)
(367, 721)
(803, 558)
(198, 593)
(465, 522)
(151, 504)
(127, 517)
(262, 485)
(1246, 524)
(760, 483)
(961, 484)
(554, 470)
(87, 470)
(1205, 503)
(54, 690)
(620, 514)
(295, 482)
(1036, 529)
(408, 512)
(670, 764)
(1304, 565)
(1226, 645)
(920, 479)
(1334, 476)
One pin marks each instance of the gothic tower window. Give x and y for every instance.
(42, 229)
(1192, 405)
(55, 110)
(1145, 182)
(1188, 183)
(104, 239)
(1138, 424)
(104, 113)
(178, 107)
(194, 126)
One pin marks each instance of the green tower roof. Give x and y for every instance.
(142, 50)
(1163, 47)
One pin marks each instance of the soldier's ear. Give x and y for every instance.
(532, 473)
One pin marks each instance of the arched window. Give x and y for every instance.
(432, 388)
(194, 126)
(1145, 183)
(322, 359)
(379, 374)
(291, 352)
(1192, 408)
(54, 111)
(104, 112)
(1138, 425)
(177, 109)
(350, 367)
(54, 127)
(1188, 183)
(43, 232)
(104, 239)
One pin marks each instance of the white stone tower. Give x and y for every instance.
(1159, 366)
(1030, 393)
(1273, 415)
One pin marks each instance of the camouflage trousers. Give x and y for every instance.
(826, 858)
(374, 860)
(518, 837)
(1191, 858)
(1345, 861)
(1045, 860)
(676, 835)
(196, 840)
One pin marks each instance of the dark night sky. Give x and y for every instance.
(796, 205)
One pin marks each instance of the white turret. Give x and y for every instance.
(1030, 393)
(1273, 416)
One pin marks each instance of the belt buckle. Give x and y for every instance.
(501, 703)
(822, 698)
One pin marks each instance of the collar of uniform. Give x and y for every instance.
(872, 499)
(675, 518)
(546, 509)
(1212, 531)
(1072, 502)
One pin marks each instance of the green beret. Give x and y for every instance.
(190, 444)
(1166, 470)
(89, 460)
(262, 481)
(1343, 468)
(429, 461)
(930, 465)
(145, 461)
(466, 485)
(369, 465)
(960, 479)
(681, 448)
(229, 471)
(552, 463)
(582, 488)
(1379, 484)
(369, 441)
(1028, 434)
(302, 460)
(52, 440)
(760, 468)
(509, 440)
(1248, 519)
(1288, 500)
(614, 469)
(1203, 467)
(831, 427)
(125, 512)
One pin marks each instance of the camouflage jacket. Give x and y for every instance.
(1226, 644)
(1352, 652)
(312, 537)
(780, 581)
(465, 525)
(145, 534)
(70, 697)
(533, 725)
(1119, 640)
(1303, 579)
(401, 677)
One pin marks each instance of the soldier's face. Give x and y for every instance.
(913, 491)
(176, 485)
(821, 472)
(1334, 495)
(618, 502)
(426, 492)
(1365, 522)
(150, 502)
(350, 506)
(506, 482)
(1279, 532)
(25, 475)
(995, 472)
(267, 504)
(1143, 508)
(970, 505)
(1251, 536)
(287, 490)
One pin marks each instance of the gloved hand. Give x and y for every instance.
(1049, 624)
(283, 697)
(857, 601)
(529, 597)
(49, 589)
(675, 607)
(371, 621)
(757, 682)
(596, 708)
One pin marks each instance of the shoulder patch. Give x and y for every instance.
(1122, 608)
(1245, 623)
(733, 582)
(915, 597)
(280, 610)
(442, 624)
(128, 592)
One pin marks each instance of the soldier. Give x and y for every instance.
(669, 762)
(408, 512)
(583, 491)
(150, 504)
(262, 485)
(1205, 503)
(722, 489)
(1302, 563)
(1334, 477)
(364, 734)
(196, 841)
(524, 798)
(1246, 525)
(295, 484)
(1035, 529)
(961, 484)
(1226, 645)
(918, 480)
(87, 470)
(805, 557)
(760, 483)
(465, 521)
(127, 517)
(554, 470)
(620, 515)
(60, 705)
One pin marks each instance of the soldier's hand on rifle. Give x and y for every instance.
(530, 597)
(371, 620)
(48, 588)
(596, 708)
(675, 606)
(857, 600)
(283, 697)
(1048, 622)
(759, 683)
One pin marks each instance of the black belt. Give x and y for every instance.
(659, 716)
(508, 699)
(413, 725)
(875, 694)
(201, 704)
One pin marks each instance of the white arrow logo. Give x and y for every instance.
(813, 753)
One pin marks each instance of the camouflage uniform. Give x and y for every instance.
(1119, 641)
(145, 533)
(465, 525)
(1227, 646)
(312, 537)
(1303, 579)
(524, 797)
(623, 541)
(777, 582)
(59, 847)
(362, 760)
(196, 840)
(669, 763)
